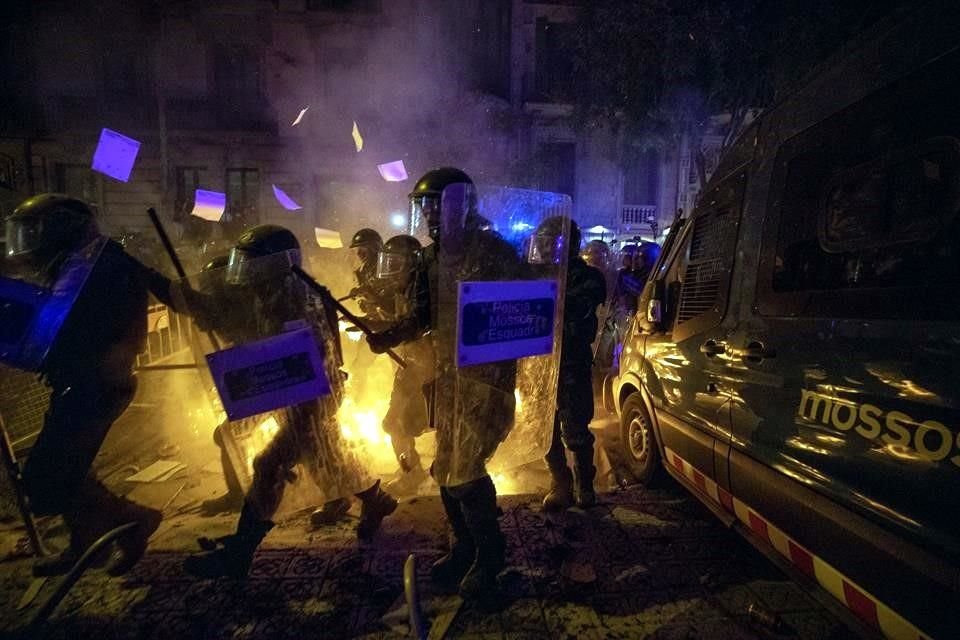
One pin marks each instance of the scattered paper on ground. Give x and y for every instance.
(580, 572)
(299, 116)
(357, 138)
(327, 238)
(285, 201)
(393, 171)
(631, 517)
(115, 155)
(155, 471)
(209, 205)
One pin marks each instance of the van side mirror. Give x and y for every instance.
(654, 311)
(653, 299)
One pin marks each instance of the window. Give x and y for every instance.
(243, 199)
(41, 182)
(698, 280)
(641, 177)
(554, 60)
(77, 180)
(558, 162)
(864, 209)
(238, 77)
(366, 6)
(126, 70)
(491, 47)
(188, 180)
(237, 72)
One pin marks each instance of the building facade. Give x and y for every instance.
(212, 89)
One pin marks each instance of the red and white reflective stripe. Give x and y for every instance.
(861, 602)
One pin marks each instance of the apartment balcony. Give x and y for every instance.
(638, 215)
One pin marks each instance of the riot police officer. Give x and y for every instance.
(53, 239)
(308, 432)
(585, 291)
(483, 395)
(370, 297)
(398, 267)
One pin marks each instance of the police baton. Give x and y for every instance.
(175, 259)
(358, 323)
(165, 240)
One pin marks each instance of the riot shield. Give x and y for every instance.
(272, 356)
(33, 313)
(498, 287)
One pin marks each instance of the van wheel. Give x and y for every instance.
(638, 441)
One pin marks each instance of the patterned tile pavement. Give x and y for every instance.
(645, 564)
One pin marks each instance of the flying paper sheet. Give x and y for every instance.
(209, 205)
(393, 171)
(357, 139)
(299, 116)
(285, 201)
(115, 155)
(327, 238)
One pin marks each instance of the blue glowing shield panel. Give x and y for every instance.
(505, 320)
(279, 371)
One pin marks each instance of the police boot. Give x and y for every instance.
(448, 571)
(234, 558)
(560, 496)
(480, 512)
(411, 473)
(583, 475)
(375, 505)
(330, 513)
(133, 545)
(81, 537)
(232, 500)
(96, 511)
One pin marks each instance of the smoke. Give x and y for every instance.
(406, 76)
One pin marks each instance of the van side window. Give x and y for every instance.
(863, 219)
(705, 262)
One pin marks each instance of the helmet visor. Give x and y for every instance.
(244, 268)
(547, 248)
(425, 215)
(24, 235)
(392, 265)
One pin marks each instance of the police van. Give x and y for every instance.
(795, 360)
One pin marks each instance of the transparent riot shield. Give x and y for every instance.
(497, 272)
(33, 313)
(272, 372)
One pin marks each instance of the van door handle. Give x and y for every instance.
(757, 352)
(712, 348)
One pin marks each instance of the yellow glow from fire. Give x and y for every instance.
(353, 336)
(365, 403)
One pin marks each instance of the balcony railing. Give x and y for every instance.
(638, 214)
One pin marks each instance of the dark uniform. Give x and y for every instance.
(481, 397)
(308, 433)
(407, 417)
(89, 369)
(585, 291)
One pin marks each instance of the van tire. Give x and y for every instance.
(638, 440)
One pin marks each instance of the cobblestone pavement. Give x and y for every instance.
(644, 564)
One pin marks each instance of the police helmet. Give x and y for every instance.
(47, 224)
(555, 238)
(366, 238)
(426, 197)
(647, 254)
(220, 262)
(400, 255)
(263, 252)
(596, 253)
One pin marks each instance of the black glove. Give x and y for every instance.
(383, 341)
